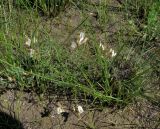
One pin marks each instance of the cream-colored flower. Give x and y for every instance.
(60, 110)
(102, 46)
(73, 45)
(24, 73)
(80, 109)
(31, 52)
(74, 109)
(28, 42)
(1, 79)
(10, 79)
(113, 53)
(82, 38)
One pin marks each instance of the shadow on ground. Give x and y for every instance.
(9, 122)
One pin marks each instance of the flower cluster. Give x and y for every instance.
(111, 51)
(28, 45)
(81, 40)
(61, 110)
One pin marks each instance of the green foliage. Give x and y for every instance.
(144, 16)
(86, 72)
(47, 7)
(153, 25)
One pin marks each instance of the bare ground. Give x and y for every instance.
(35, 113)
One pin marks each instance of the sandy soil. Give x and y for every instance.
(35, 113)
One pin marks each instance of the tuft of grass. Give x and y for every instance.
(45, 7)
(145, 16)
(86, 73)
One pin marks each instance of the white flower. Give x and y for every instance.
(24, 73)
(28, 42)
(1, 79)
(80, 109)
(82, 38)
(74, 109)
(60, 110)
(113, 53)
(31, 52)
(102, 46)
(73, 45)
(10, 79)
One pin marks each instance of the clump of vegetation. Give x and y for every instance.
(30, 58)
(145, 15)
(45, 7)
